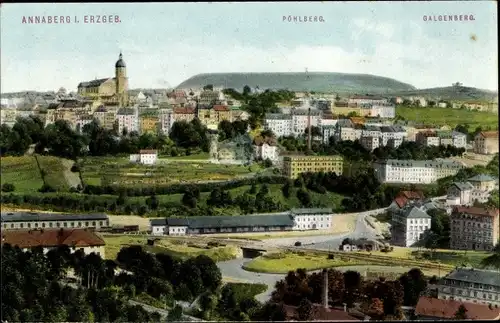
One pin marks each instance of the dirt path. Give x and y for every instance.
(72, 179)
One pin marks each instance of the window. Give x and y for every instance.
(22, 225)
(50, 224)
(12, 225)
(29, 225)
(36, 224)
(79, 224)
(58, 224)
(65, 224)
(93, 223)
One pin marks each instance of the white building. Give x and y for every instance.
(264, 150)
(397, 133)
(328, 132)
(408, 225)
(166, 117)
(348, 133)
(367, 99)
(415, 171)
(145, 157)
(370, 142)
(300, 119)
(296, 219)
(464, 193)
(279, 123)
(128, 118)
(312, 219)
(8, 116)
(82, 121)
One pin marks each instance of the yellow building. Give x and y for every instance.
(207, 116)
(113, 89)
(295, 165)
(149, 124)
(186, 114)
(486, 143)
(106, 117)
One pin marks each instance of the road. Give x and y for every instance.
(361, 230)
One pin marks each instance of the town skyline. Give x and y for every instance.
(250, 37)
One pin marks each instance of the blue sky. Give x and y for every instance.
(163, 44)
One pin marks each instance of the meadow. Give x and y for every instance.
(176, 248)
(449, 117)
(119, 171)
(28, 176)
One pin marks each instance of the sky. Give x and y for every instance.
(164, 44)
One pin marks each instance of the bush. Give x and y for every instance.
(46, 189)
(298, 244)
(331, 257)
(75, 168)
(8, 187)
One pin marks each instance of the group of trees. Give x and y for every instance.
(230, 130)
(381, 299)
(34, 289)
(259, 103)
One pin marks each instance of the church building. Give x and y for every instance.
(108, 90)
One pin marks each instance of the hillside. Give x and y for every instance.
(313, 81)
(455, 93)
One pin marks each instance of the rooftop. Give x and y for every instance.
(414, 212)
(463, 186)
(51, 238)
(482, 178)
(443, 163)
(446, 309)
(94, 83)
(472, 275)
(33, 216)
(198, 222)
(472, 210)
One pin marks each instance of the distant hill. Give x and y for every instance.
(313, 81)
(454, 93)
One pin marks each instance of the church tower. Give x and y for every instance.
(121, 81)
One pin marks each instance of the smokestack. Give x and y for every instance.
(325, 288)
(309, 129)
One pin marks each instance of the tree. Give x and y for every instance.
(175, 314)
(304, 197)
(492, 261)
(461, 313)
(414, 284)
(8, 187)
(376, 309)
(305, 310)
(286, 189)
(208, 303)
(208, 87)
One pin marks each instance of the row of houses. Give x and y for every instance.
(293, 220)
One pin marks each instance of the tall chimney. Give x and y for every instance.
(325, 288)
(309, 129)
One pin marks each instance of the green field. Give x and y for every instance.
(22, 172)
(283, 262)
(119, 171)
(26, 176)
(175, 248)
(449, 117)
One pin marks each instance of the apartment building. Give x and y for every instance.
(370, 142)
(82, 121)
(8, 116)
(427, 138)
(166, 120)
(408, 225)
(384, 111)
(300, 120)
(486, 143)
(395, 132)
(266, 148)
(464, 193)
(367, 99)
(293, 166)
(345, 133)
(471, 285)
(145, 157)
(474, 228)
(328, 132)
(484, 182)
(105, 117)
(128, 118)
(415, 171)
(279, 123)
(184, 114)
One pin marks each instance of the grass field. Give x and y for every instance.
(107, 171)
(246, 290)
(282, 263)
(169, 246)
(26, 176)
(22, 172)
(450, 117)
(54, 172)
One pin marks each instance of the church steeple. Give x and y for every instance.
(120, 62)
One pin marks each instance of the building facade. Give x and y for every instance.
(486, 143)
(409, 225)
(415, 171)
(474, 228)
(145, 157)
(471, 285)
(33, 220)
(293, 166)
(75, 239)
(128, 118)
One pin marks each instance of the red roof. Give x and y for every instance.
(184, 110)
(148, 151)
(320, 313)
(490, 134)
(51, 238)
(446, 309)
(404, 196)
(472, 210)
(221, 108)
